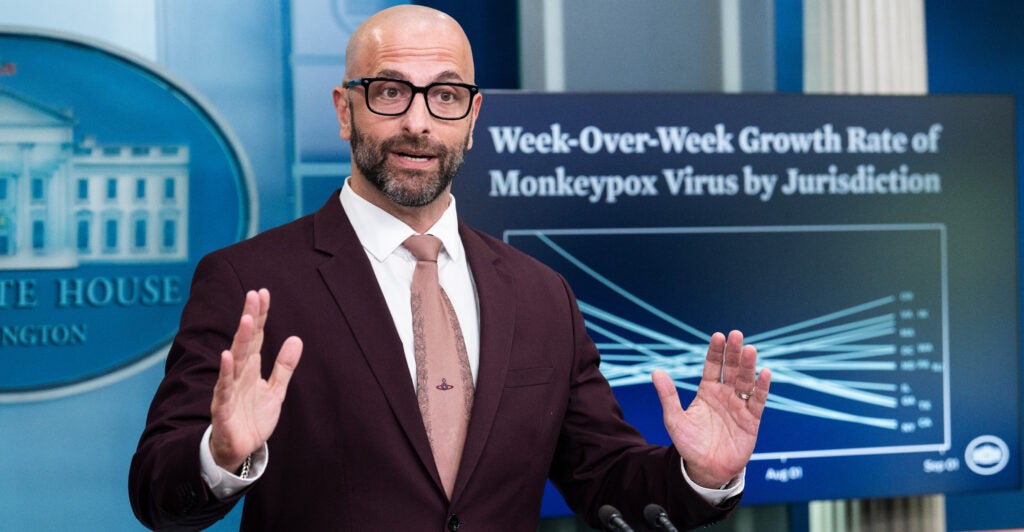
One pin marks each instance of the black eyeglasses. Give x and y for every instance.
(393, 97)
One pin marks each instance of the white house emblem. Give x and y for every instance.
(114, 180)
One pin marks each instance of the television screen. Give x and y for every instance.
(866, 245)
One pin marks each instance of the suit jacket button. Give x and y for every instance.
(454, 522)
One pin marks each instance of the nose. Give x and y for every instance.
(417, 120)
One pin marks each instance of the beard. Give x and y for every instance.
(408, 188)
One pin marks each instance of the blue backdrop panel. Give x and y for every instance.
(115, 179)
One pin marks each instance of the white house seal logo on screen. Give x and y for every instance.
(987, 455)
(114, 180)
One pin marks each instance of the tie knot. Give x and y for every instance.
(423, 247)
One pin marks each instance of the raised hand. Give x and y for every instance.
(716, 434)
(245, 407)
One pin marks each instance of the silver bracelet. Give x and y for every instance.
(244, 473)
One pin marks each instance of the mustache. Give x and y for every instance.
(413, 144)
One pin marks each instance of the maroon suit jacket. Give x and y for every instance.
(350, 451)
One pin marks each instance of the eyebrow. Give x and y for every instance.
(447, 75)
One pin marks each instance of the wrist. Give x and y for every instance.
(705, 480)
(227, 461)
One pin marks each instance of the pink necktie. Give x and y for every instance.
(444, 381)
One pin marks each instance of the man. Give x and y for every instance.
(350, 447)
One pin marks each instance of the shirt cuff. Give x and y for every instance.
(224, 483)
(713, 496)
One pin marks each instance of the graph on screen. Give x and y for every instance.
(851, 319)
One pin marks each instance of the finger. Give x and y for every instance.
(759, 398)
(733, 348)
(667, 392)
(246, 341)
(747, 364)
(285, 364)
(242, 343)
(263, 298)
(252, 303)
(713, 359)
(224, 388)
(263, 308)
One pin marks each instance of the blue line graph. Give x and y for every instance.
(850, 319)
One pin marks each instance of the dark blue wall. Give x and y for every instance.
(789, 44)
(493, 31)
(978, 47)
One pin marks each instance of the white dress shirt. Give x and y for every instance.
(381, 235)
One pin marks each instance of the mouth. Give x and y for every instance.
(414, 159)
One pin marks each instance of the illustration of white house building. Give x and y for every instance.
(63, 204)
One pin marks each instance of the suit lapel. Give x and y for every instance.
(496, 293)
(351, 281)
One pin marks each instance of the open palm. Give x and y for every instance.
(716, 434)
(245, 407)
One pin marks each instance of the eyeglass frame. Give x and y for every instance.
(365, 84)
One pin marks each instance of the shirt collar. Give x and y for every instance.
(381, 234)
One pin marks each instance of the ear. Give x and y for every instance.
(344, 116)
(477, 102)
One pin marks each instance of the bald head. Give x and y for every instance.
(407, 32)
(404, 163)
